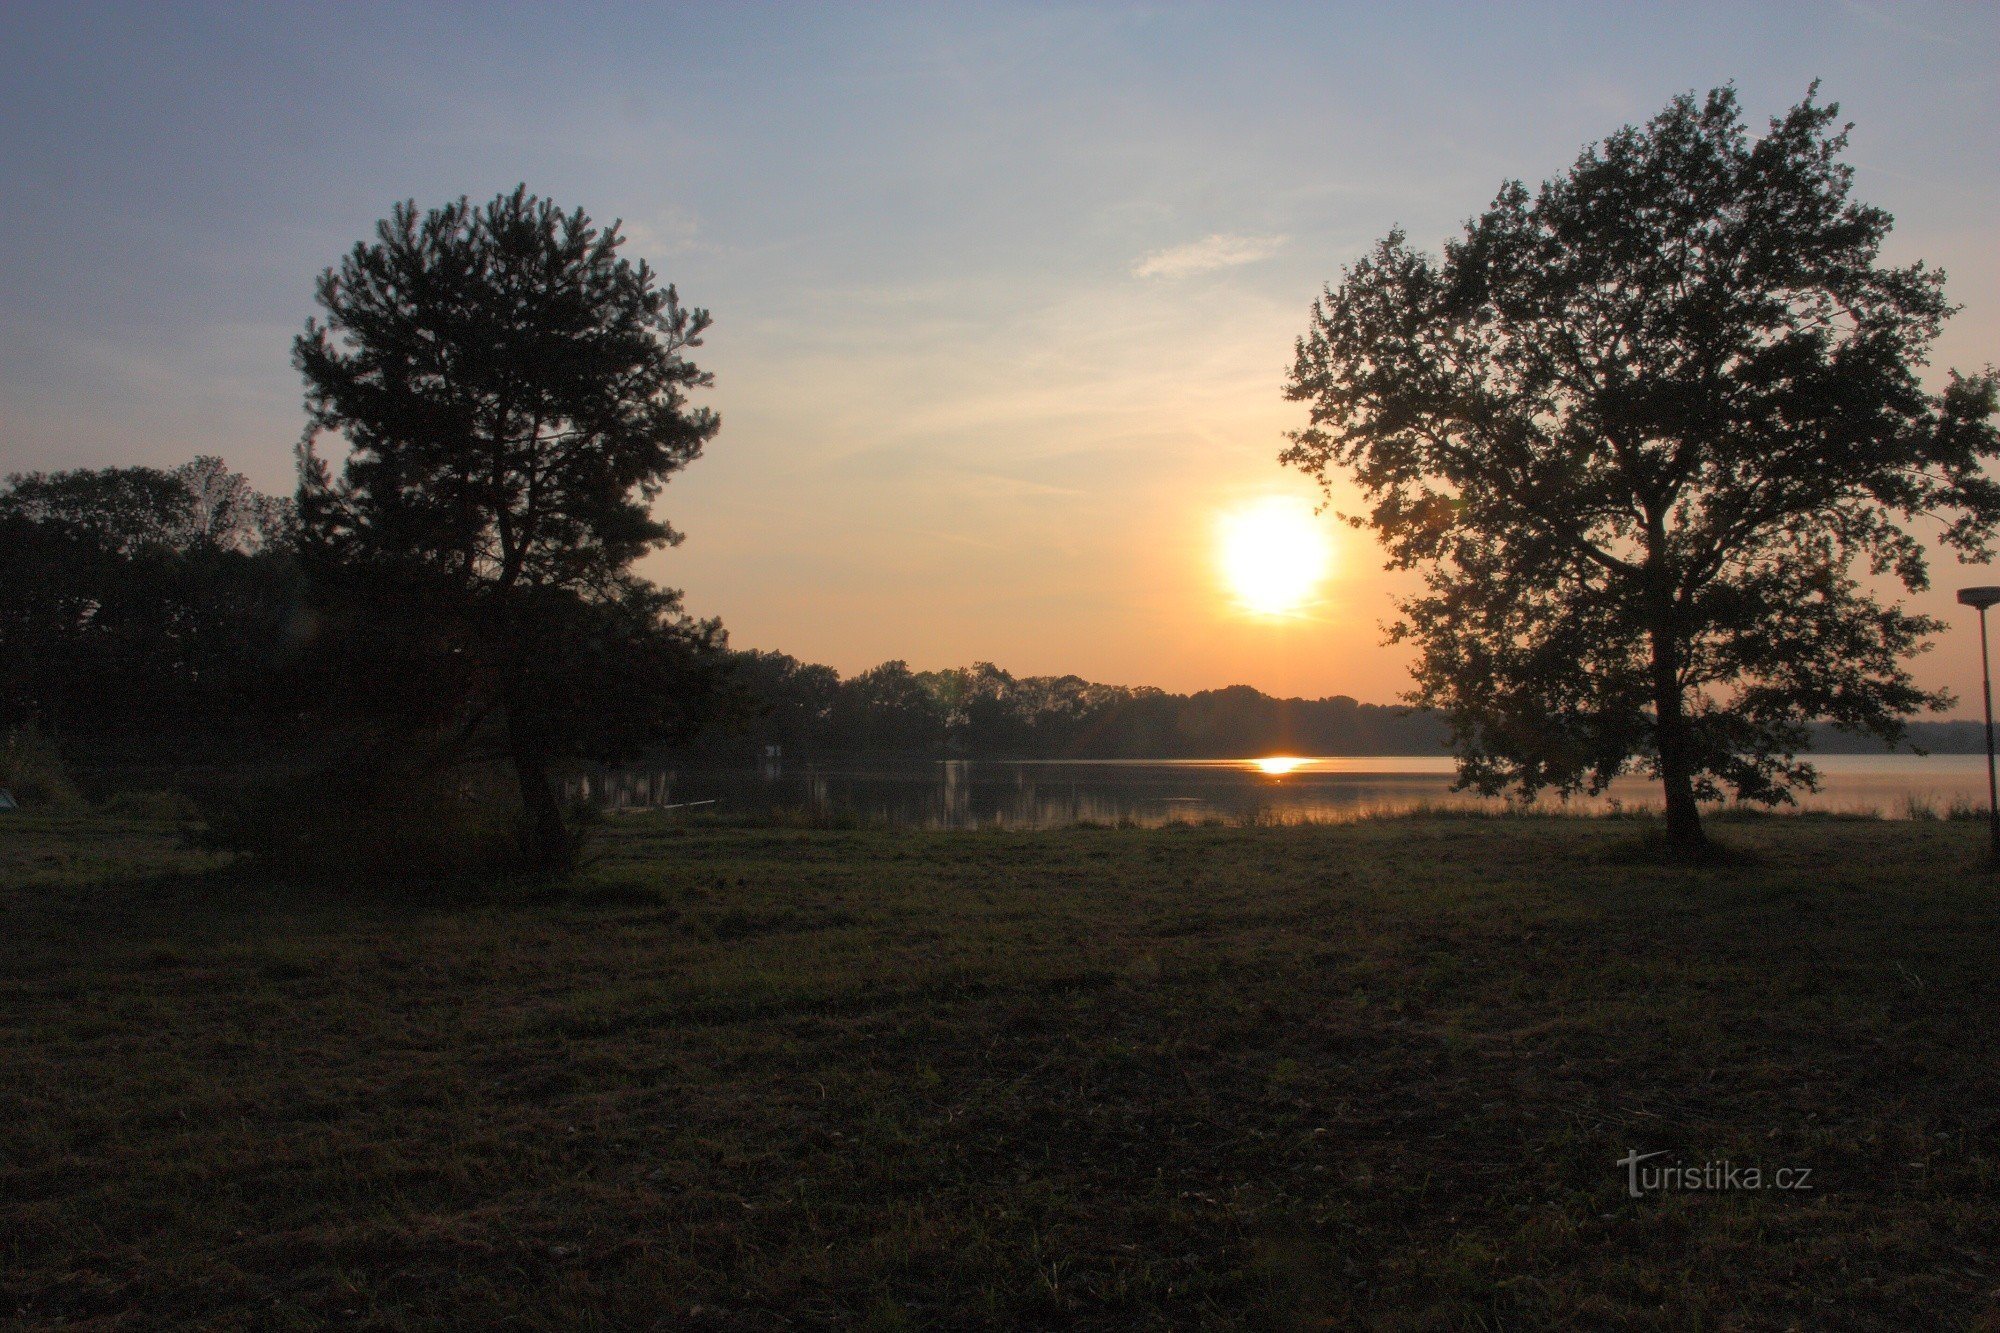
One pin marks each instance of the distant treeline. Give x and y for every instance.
(981, 711)
(1930, 737)
(157, 620)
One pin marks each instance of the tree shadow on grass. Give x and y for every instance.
(1651, 848)
(242, 898)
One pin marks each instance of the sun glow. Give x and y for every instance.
(1273, 555)
(1277, 765)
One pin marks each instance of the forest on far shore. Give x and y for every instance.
(161, 624)
(982, 711)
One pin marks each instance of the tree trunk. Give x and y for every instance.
(1670, 735)
(1670, 721)
(551, 848)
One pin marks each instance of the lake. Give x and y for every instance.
(966, 793)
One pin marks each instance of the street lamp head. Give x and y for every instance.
(1979, 597)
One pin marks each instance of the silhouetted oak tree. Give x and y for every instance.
(1640, 430)
(513, 394)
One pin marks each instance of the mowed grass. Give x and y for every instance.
(1377, 1075)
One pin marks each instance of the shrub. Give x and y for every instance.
(374, 822)
(32, 770)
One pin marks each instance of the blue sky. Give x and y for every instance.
(1004, 295)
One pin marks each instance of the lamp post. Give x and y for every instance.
(1983, 598)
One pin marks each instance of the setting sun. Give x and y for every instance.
(1274, 553)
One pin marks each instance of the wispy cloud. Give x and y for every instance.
(669, 230)
(1220, 250)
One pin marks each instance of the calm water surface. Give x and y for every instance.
(1055, 793)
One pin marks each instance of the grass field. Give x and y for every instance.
(1377, 1075)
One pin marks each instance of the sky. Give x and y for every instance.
(1004, 295)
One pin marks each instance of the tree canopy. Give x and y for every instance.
(513, 394)
(143, 610)
(1656, 435)
(129, 510)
